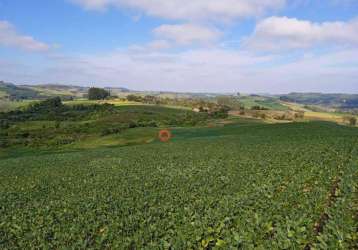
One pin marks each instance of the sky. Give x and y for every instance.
(248, 46)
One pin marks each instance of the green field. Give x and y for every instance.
(6, 106)
(89, 125)
(265, 102)
(241, 186)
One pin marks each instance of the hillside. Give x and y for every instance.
(44, 91)
(219, 183)
(316, 101)
(239, 186)
(342, 101)
(14, 92)
(271, 103)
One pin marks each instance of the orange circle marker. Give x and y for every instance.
(164, 135)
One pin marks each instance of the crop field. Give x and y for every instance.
(269, 103)
(6, 106)
(240, 186)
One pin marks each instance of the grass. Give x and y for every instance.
(266, 102)
(317, 116)
(91, 126)
(3, 94)
(129, 137)
(6, 105)
(52, 92)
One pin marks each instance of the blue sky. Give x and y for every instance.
(272, 46)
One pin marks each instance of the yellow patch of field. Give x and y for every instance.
(115, 102)
(295, 106)
(322, 116)
(315, 115)
(119, 102)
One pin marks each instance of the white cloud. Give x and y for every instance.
(280, 33)
(205, 70)
(222, 10)
(10, 38)
(159, 45)
(185, 34)
(150, 47)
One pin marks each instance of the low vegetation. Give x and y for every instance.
(240, 186)
(50, 123)
(339, 101)
(225, 179)
(97, 94)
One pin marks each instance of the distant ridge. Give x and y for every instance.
(343, 101)
(42, 91)
(12, 91)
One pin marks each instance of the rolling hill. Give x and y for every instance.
(342, 101)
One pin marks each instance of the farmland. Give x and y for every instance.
(93, 174)
(51, 124)
(179, 125)
(243, 185)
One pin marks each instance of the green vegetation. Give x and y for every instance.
(263, 102)
(92, 174)
(245, 185)
(6, 105)
(97, 94)
(343, 101)
(50, 123)
(14, 92)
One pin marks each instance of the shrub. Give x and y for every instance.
(4, 124)
(258, 108)
(299, 115)
(351, 120)
(134, 98)
(57, 124)
(97, 94)
(3, 143)
(132, 124)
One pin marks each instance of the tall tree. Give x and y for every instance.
(97, 94)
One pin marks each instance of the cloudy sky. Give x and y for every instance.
(271, 46)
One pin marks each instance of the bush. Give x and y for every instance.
(4, 124)
(132, 124)
(147, 124)
(110, 131)
(300, 115)
(52, 104)
(258, 108)
(3, 143)
(134, 98)
(57, 124)
(97, 94)
(351, 120)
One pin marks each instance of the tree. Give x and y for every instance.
(97, 94)
(134, 98)
(351, 120)
(300, 115)
(257, 107)
(150, 99)
(49, 105)
(229, 101)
